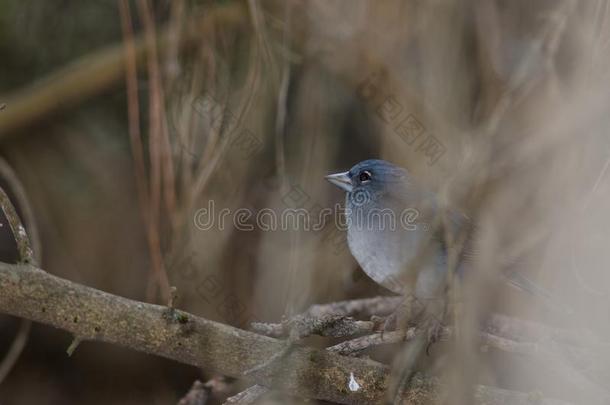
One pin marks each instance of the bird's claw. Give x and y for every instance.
(433, 329)
(384, 323)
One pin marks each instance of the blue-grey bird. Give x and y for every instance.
(389, 231)
(394, 232)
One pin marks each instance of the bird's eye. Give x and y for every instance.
(364, 176)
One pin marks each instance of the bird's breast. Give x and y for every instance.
(383, 250)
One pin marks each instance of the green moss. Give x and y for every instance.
(182, 318)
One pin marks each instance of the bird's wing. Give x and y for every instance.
(459, 222)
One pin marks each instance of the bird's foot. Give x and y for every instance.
(384, 323)
(400, 319)
(433, 329)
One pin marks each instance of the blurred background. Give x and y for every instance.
(124, 119)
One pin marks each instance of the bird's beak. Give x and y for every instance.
(341, 180)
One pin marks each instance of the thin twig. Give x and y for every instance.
(282, 101)
(73, 345)
(26, 253)
(155, 158)
(214, 151)
(302, 326)
(355, 347)
(559, 350)
(133, 109)
(497, 324)
(197, 395)
(94, 73)
(247, 396)
(366, 307)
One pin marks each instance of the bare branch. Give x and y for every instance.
(366, 307)
(302, 326)
(247, 396)
(91, 314)
(26, 253)
(94, 315)
(356, 346)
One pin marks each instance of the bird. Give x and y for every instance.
(390, 228)
(395, 233)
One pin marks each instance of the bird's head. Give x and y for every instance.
(371, 179)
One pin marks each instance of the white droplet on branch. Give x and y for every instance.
(353, 384)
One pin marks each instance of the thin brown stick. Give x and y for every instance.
(26, 254)
(155, 158)
(217, 146)
(356, 346)
(247, 396)
(365, 307)
(165, 163)
(133, 113)
(133, 107)
(302, 326)
(98, 71)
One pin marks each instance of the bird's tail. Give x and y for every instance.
(522, 283)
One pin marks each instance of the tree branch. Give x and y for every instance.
(24, 246)
(90, 314)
